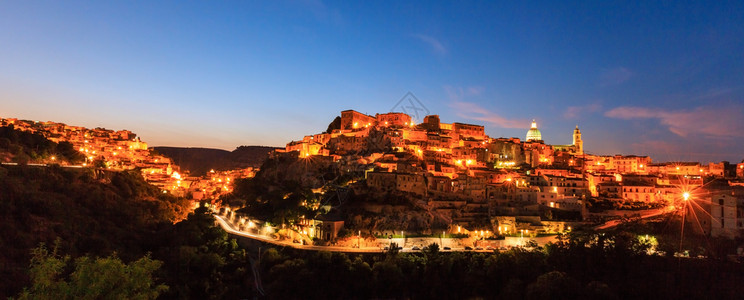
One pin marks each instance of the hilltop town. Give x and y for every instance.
(382, 184)
(118, 150)
(463, 176)
(453, 172)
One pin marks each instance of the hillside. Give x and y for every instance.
(21, 147)
(90, 211)
(198, 161)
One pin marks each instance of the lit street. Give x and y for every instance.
(408, 242)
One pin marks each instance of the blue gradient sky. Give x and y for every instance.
(662, 79)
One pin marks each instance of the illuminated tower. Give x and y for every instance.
(577, 142)
(534, 134)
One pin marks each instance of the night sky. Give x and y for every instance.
(664, 79)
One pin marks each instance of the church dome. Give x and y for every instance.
(534, 134)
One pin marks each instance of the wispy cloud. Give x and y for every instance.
(610, 77)
(684, 151)
(715, 93)
(434, 43)
(572, 112)
(473, 111)
(460, 93)
(722, 122)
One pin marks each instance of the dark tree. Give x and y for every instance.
(334, 125)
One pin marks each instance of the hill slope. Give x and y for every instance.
(198, 161)
(90, 211)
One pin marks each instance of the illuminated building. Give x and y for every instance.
(534, 134)
(470, 131)
(394, 119)
(576, 147)
(577, 142)
(631, 164)
(351, 120)
(718, 211)
(639, 191)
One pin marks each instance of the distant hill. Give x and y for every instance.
(199, 161)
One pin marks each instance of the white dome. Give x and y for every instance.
(534, 134)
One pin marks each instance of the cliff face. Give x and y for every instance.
(198, 161)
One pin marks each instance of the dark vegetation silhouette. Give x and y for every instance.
(199, 161)
(21, 147)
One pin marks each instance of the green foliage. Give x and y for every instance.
(90, 278)
(393, 250)
(116, 212)
(279, 204)
(201, 261)
(579, 266)
(554, 285)
(431, 251)
(344, 233)
(601, 204)
(27, 146)
(99, 162)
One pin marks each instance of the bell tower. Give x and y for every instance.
(577, 142)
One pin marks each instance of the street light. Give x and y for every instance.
(521, 236)
(685, 197)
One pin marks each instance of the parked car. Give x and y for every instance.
(447, 248)
(468, 248)
(415, 248)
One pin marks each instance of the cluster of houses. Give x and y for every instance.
(464, 175)
(123, 150)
